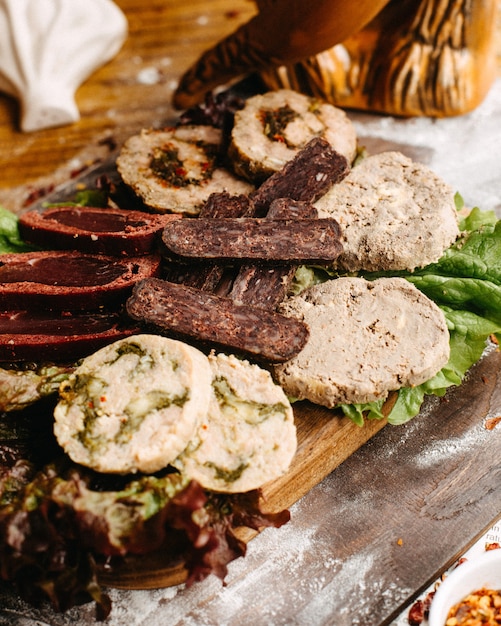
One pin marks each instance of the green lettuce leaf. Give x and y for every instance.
(10, 241)
(84, 197)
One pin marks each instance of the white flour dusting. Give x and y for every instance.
(149, 76)
(437, 451)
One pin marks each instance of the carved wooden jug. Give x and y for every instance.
(402, 57)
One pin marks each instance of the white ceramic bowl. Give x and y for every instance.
(479, 571)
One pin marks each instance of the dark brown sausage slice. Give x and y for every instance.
(267, 286)
(207, 275)
(192, 313)
(256, 239)
(306, 177)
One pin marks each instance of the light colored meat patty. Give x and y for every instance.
(248, 437)
(394, 214)
(366, 339)
(175, 170)
(273, 127)
(134, 405)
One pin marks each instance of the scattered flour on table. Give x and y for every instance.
(321, 608)
(149, 76)
(437, 451)
(210, 602)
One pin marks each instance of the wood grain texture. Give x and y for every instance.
(132, 91)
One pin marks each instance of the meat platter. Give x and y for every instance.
(325, 439)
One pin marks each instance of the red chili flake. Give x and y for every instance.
(420, 610)
(36, 194)
(90, 404)
(491, 423)
(180, 171)
(415, 616)
(492, 546)
(102, 399)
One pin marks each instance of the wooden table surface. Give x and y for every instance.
(377, 530)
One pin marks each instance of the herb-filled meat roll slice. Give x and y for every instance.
(272, 127)
(134, 405)
(175, 170)
(248, 436)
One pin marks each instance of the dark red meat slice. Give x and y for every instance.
(47, 336)
(70, 280)
(224, 204)
(267, 286)
(207, 275)
(263, 287)
(194, 314)
(306, 177)
(287, 208)
(94, 230)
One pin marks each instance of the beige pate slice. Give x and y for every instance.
(366, 339)
(394, 214)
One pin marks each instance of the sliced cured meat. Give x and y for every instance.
(259, 239)
(223, 204)
(93, 230)
(394, 213)
(263, 287)
(272, 127)
(306, 177)
(248, 436)
(70, 280)
(288, 208)
(134, 405)
(175, 170)
(267, 286)
(207, 275)
(366, 339)
(40, 336)
(195, 314)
